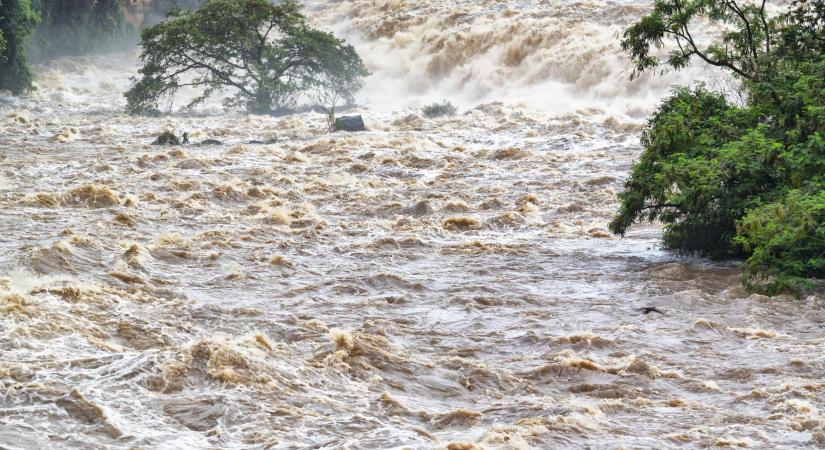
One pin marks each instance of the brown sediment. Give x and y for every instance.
(234, 361)
(640, 366)
(457, 418)
(133, 256)
(607, 391)
(510, 153)
(127, 278)
(589, 339)
(124, 219)
(757, 333)
(196, 415)
(21, 117)
(571, 208)
(92, 196)
(461, 446)
(434, 282)
(67, 134)
(598, 181)
(140, 337)
(43, 199)
(461, 223)
(457, 206)
(478, 247)
(17, 304)
(80, 408)
(670, 271)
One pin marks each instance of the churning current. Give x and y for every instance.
(431, 283)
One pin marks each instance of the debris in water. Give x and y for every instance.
(650, 309)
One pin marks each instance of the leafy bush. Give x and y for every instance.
(17, 21)
(698, 171)
(170, 138)
(39, 29)
(265, 53)
(785, 240)
(738, 181)
(442, 109)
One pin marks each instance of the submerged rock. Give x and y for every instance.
(211, 142)
(350, 123)
(268, 141)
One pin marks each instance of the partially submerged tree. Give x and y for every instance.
(329, 96)
(266, 55)
(337, 76)
(17, 21)
(737, 181)
(443, 109)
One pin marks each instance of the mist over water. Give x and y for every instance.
(431, 283)
(559, 57)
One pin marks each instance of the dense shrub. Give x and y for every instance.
(699, 169)
(442, 109)
(170, 138)
(17, 21)
(41, 29)
(739, 181)
(785, 241)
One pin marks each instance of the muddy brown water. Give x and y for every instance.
(431, 283)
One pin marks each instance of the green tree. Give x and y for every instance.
(265, 54)
(737, 181)
(746, 35)
(17, 20)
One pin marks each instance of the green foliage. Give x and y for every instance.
(73, 27)
(266, 54)
(38, 29)
(17, 21)
(701, 169)
(803, 32)
(786, 241)
(169, 138)
(743, 181)
(442, 109)
(746, 35)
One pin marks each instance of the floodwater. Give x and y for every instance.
(431, 283)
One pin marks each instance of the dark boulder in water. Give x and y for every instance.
(350, 123)
(270, 140)
(211, 142)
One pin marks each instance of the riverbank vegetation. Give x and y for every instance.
(17, 21)
(263, 56)
(75, 27)
(443, 109)
(730, 180)
(43, 29)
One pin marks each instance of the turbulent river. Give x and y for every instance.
(431, 283)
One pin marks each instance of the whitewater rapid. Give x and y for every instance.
(431, 283)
